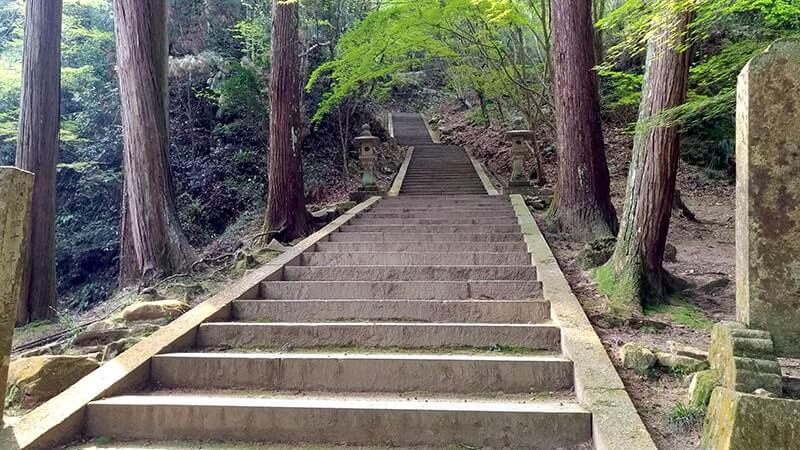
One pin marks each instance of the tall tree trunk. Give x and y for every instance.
(287, 218)
(37, 151)
(153, 243)
(583, 206)
(639, 252)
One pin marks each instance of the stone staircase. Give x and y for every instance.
(419, 323)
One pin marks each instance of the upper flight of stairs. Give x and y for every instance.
(420, 323)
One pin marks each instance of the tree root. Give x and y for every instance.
(677, 204)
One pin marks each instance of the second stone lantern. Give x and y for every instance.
(519, 182)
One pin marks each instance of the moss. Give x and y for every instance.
(702, 386)
(35, 330)
(622, 292)
(679, 311)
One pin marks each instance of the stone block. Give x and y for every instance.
(163, 309)
(680, 363)
(744, 358)
(40, 378)
(15, 204)
(701, 387)
(768, 195)
(637, 357)
(736, 420)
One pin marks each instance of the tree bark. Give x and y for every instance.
(639, 252)
(287, 218)
(37, 151)
(153, 243)
(583, 206)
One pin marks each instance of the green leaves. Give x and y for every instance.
(476, 40)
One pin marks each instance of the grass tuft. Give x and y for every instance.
(683, 417)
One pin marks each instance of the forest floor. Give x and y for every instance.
(223, 261)
(705, 259)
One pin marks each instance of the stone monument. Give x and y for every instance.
(15, 207)
(746, 409)
(768, 196)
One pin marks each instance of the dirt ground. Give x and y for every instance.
(705, 259)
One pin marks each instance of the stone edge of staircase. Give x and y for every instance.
(61, 419)
(397, 184)
(616, 424)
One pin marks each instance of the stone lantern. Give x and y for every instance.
(519, 182)
(368, 146)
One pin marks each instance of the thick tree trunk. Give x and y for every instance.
(639, 253)
(582, 207)
(37, 151)
(153, 243)
(287, 218)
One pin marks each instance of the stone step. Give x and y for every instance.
(342, 236)
(445, 229)
(443, 211)
(452, 198)
(375, 420)
(428, 188)
(414, 259)
(353, 372)
(416, 247)
(429, 191)
(433, 214)
(367, 220)
(248, 335)
(441, 311)
(401, 290)
(408, 273)
(449, 207)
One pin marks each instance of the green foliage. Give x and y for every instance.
(723, 36)
(494, 47)
(683, 417)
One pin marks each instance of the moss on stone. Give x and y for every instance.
(701, 387)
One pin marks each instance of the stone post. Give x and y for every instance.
(519, 182)
(768, 195)
(368, 145)
(15, 204)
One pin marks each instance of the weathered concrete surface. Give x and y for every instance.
(416, 258)
(421, 247)
(744, 359)
(15, 205)
(353, 372)
(735, 420)
(375, 335)
(424, 237)
(454, 311)
(61, 418)
(615, 423)
(361, 421)
(454, 272)
(401, 290)
(768, 195)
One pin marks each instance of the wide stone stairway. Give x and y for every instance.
(420, 323)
